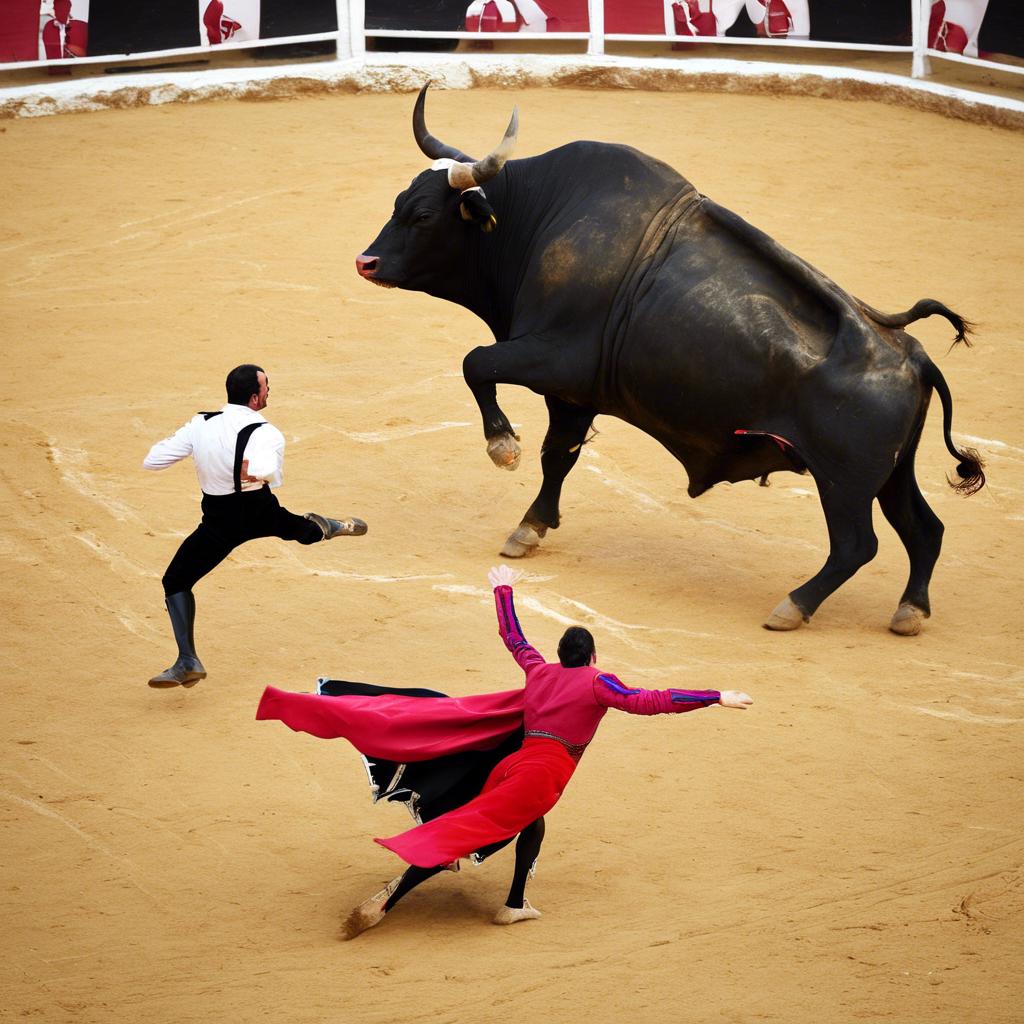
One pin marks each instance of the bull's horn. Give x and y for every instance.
(430, 146)
(464, 173)
(472, 173)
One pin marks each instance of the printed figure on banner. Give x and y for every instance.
(238, 21)
(773, 19)
(954, 25)
(526, 16)
(63, 34)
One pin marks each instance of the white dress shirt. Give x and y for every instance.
(211, 443)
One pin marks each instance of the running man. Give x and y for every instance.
(239, 457)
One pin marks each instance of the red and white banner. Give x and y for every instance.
(772, 19)
(527, 16)
(222, 21)
(63, 29)
(954, 26)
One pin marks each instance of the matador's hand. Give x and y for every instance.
(735, 699)
(244, 475)
(503, 576)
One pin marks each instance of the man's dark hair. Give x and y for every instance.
(242, 383)
(576, 647)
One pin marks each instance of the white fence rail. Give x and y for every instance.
(352, 33)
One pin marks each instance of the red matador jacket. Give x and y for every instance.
(436, 753)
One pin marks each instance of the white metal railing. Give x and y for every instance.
(352, 33)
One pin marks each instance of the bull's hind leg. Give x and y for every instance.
(567, 430)
(921, 530)
(852, 544)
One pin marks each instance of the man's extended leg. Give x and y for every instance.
(200, 552)
(309, 528)
(372, 911)
(517, 907)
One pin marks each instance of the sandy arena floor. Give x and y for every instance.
(849, 849)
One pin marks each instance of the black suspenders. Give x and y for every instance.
(243, 439)
(240, 442)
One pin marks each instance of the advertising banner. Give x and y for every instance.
(134, 26)
(47, 30)
(238, 20)
(19, 29)
(989, 29)
(527, 16)
(417, 15)
(43, 29)
(63, 29)
(296, 17)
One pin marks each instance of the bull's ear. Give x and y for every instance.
(475, 207)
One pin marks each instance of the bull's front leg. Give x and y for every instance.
(483, 369)
(567, 430)
(535, 364)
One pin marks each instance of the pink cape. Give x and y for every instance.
(397, 728)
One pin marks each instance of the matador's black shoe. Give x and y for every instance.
(188, 669)
(332, 528)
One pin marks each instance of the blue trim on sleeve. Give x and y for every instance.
(616, 687)
(689, 697)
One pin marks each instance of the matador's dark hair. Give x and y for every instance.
(242, 383)
(576, 647)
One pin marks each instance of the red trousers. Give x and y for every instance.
(520, 789)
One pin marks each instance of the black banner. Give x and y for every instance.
(424, 15)
(296, 17)
(127, 26)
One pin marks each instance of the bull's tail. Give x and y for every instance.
(921, 309)
(970, 468)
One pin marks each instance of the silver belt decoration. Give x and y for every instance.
(575, 749)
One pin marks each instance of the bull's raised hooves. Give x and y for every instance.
(785, 616)
(504, 451)
(907, 620)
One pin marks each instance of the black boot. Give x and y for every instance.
(188, 669)
(332, 528)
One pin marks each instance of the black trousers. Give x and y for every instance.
(230, 520)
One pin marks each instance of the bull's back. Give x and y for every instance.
(714, 330)
(598, 200)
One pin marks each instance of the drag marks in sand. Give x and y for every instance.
(567, 611)
(45, 811)
(993, 698)
(399, 431)
(612, 476)
(71, 464)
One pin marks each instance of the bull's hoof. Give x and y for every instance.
(908, 620)
(504, 451)
(523, 542)
(786, 616)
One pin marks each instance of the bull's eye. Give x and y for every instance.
(422, 217)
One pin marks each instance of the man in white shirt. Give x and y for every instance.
(239, 457)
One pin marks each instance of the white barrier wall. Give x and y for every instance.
(355, 68)
(62, 32)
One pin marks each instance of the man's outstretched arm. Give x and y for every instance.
(610, 692)
(170, 450)
(501, 580)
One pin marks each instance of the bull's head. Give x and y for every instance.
(426, 231)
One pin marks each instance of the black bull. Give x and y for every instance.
(612, 286)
